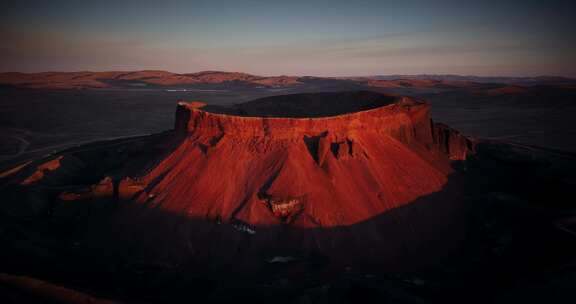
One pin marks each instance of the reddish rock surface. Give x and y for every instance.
(451, 142)
(311, 184)
(334, 171)
(42, 169)
(320, 171)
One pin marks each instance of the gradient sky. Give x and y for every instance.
(268, 37)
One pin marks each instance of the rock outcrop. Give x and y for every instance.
(451, 142)
(318, 171)
(305, 172)
(357, 155)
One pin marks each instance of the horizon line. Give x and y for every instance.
(302, 75)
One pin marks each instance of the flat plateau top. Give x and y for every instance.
(308, 105)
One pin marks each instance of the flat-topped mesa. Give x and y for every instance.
(337, 118)
(308, 160)
(311, 172)
(303, 160)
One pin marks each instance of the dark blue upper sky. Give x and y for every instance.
(332, 38)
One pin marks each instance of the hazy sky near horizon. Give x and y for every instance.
(324, 38)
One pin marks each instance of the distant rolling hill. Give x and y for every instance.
(237, 80)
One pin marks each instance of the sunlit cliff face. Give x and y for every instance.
(359, 154)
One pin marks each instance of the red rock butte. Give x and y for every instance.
(298, 174)
(372, 154)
